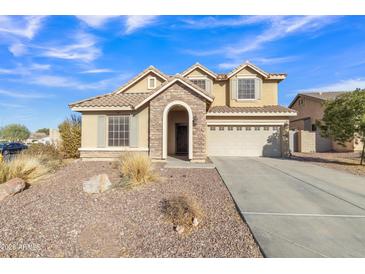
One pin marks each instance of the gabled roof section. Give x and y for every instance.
(110, 101)
(172, 80)
(273, 76)
(140, 76)
(320, 95)
(201, 67)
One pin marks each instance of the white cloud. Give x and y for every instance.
(9, 105)
(94, 71)
(21, 95)
(258, 60)
(278, 28)
(18, 49)
(22, 26)
(135, 22)
(218, 22)
(343, 85)
(54, 81)
(35, 66)
(68, 82)
(83, 48)
(274, 60)
(25, 70)
(95, 21)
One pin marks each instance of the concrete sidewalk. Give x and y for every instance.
(296, 209)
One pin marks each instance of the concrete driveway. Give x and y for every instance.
(297, 209)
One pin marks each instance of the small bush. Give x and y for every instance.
(181, 211)
(49, 151)
(70, 132)
(136, 169)
(48, 154)
(29, 168)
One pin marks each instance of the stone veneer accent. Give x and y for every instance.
(197, 104)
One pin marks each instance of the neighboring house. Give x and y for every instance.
(42, 138)
(36, 137)
(197, 113)
(310, 109)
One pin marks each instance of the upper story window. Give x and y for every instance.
(246, 88)
(118, 131)
(152, 82)
(202, 83)
(301, 102)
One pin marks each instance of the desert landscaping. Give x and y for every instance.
(55, 217)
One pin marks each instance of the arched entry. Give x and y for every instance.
(166, 125)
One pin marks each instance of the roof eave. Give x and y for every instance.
(81, 109)
(251, 114)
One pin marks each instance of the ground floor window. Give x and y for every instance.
(118, 131)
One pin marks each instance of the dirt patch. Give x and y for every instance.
(345, 161)
(55, 218)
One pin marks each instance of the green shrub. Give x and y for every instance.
(70, 131)
(137, 169)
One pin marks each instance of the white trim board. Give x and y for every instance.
(153, 95)
(99, 108)
(251, 114)
(138, 78)
(165, 125)
(113, 149)
(199, 66)
(251, 66)
(245, 123)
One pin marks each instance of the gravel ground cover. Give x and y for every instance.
(55, 218)
(345, 161)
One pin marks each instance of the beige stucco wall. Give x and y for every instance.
(269, 92)
(141, 85)
(175, 117)
(306, 141)
(312, 108)
(222, 96)
(89, 130)
(143, 122)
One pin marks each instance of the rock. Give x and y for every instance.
(97, 184)
(195, 222)
(179, 229)
(11, 187)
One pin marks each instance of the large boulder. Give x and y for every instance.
(11, 187)
(97, 184)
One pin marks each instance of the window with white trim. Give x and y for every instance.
(202, 83)
(151, 84)
(118, 131)
(246, 88)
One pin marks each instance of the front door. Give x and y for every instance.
(181, 133)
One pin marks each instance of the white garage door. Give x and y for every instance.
(244, 141)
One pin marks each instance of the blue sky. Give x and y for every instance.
(49, 62)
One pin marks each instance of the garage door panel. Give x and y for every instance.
(258, 141)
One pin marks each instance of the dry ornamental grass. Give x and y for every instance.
(136, 169)
(26, 167)
(183, 212)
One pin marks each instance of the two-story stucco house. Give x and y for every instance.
(197, 113)
(310, 107)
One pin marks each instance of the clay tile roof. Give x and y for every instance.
(112, 100)
(263, 109)
(329, 95)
